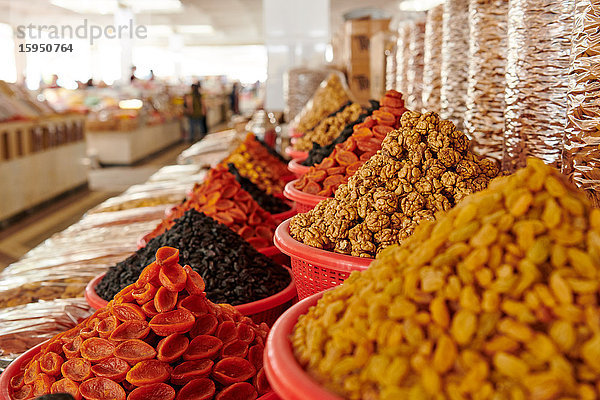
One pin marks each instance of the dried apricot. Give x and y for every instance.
(50, 363)
(203, 346)
(147, 372)
(334, 180)
(238, 391)
(194, 283)
(172, 347)
(77, 369)
(66, 385)
(156, 391)
(71, 349)
(176, 321)
(165, 300)
(130, 330)
(189, 370)
(31, 372)
(101, 389)
(205, 325)
(144, 294)
(245, 333)
(96, 349)
(345, 158)
(134, 351)
(172, 277)
(261, 383)
(231, 370)
(235, 348)
(255, 355)
(112, 368)
(128, 312)
(312, 188)
(197, 389)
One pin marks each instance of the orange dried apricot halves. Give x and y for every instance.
(172, 277)
(106, 326)
(165, 300)
(16, 382)
(203, 346)
(345, 158)
(66, 385)
(96, 349)
(197, 389)
(261, 383)
(101, 389)
(144, 294)
(189, 370)
(41, 385)
(134, 351)
(195, 304)
(32, 372)
(148, 372)
(130, 330)
(238, 391)
(235, 348)
(172, 347)
(176, 321)
(157, 391)
(194, 283)
(205, 325)
(50, 363)
(112, 368)
(71, 349)
(231, 370)
(255, 355)
(128, 312)
(77, 369)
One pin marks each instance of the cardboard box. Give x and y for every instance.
(358, 34)
(359, 81)
(382, 45)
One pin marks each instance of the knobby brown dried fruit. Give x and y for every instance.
(423, 167)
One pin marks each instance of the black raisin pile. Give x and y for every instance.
(269, 203)
(233, 271)
(318, 152)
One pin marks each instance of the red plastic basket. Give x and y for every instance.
(304, 201)
(295, 153)
(266, 310)
(297, 168)
(314, 269)
(15, 367)
(285, 374)
(295, 133)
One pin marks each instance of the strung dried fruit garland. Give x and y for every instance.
(257, 164)
(160, 338)
(349, 156)
(221, 197)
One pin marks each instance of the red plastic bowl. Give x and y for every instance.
(295, 153)
(296, 133)
(285, 374)
(304, 201)
(314, 269)
(15, 367)
(266, 310)
(297, 168)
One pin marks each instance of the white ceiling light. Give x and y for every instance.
(418, 5)
(196, 29)
(88, 6)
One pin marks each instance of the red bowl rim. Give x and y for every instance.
(15, 366)
(296, 167)
(286, 376)
(255, 307)
(296, 195)
(293, 248)
(295, 153)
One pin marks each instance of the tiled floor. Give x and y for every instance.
(41, 223)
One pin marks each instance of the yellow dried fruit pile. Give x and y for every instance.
(497, 299)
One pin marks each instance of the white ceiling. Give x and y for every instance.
(235, 22)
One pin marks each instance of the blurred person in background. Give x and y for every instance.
(195, 110)
(234, 98)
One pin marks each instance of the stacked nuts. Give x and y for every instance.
(497, 299)
(422, 168)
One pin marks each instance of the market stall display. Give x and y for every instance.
(139, 342)
(432, 59)
(329, 128)
(414, 74)
(402, 57)
(424, 167)
(497, 296)
(300, 84)
(348, 156)
(18, 104)
(270, 203)
(330, 96)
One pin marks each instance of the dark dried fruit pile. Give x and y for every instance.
(268, 202)
(318, 152)
(271, 150)
(233, 270)
(160, 338)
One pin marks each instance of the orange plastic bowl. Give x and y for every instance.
(304, 201)
(314, 269)
(297, 168)
(15, 367)
(266, 310)
(285, 374)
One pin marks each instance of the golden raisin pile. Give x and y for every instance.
(329, 128)
(423, 167)
(497, 299)
(254, 162)
(328, 98)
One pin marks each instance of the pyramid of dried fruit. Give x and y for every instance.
(234, 272)
(422, 168)
(268, 202)
(221, 197)
(347, 157)
(256, 163)
(329, 128)
(497, 299)
(329, 97)
(160, 338)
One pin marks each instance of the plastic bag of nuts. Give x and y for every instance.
(432, 59)
(537, 68)
(581, 157)
(300, 84)
(497, 299)
(415, 66)
(402, 57)
(423, 167)
(484, 119)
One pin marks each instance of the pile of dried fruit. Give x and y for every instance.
(329, 128)
(255, 162)
(318, 152)
(160, 338)
(349, 156)
(234, 272)
(221, 197)
(497, 299)
(269, 203)
(329, 97)
(422, 168)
